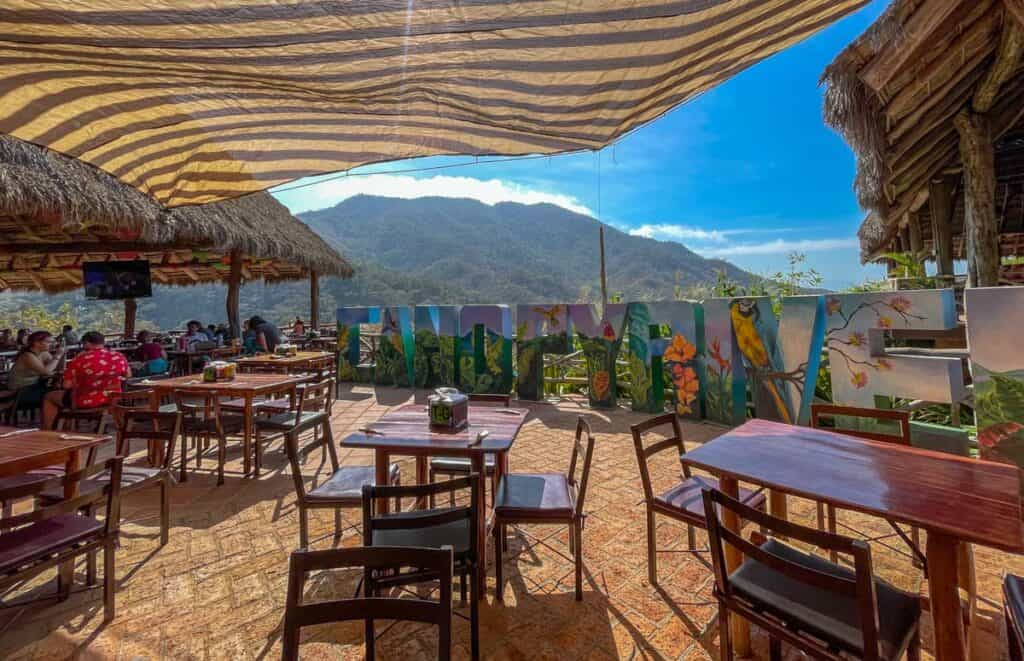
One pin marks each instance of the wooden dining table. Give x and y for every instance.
(23, 450)
(957, 500)
(302, 361)
(407, 431)
(246, 387)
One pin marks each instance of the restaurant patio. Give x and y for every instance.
(217, 589)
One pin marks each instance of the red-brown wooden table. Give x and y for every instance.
(407, 431)
(300, 362)
(955, 499)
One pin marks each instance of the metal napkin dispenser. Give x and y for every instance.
(449, 409)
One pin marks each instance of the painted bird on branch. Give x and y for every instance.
(746, 322)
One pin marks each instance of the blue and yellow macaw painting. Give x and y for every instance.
(663, 356)
(435, 340)
(994, 317)
(755, 331)
(860, 366)
(600, 338)
(801, 338)
(393, 364)
(349, 319)
(725, 387)
(540, 329)
(485, 361)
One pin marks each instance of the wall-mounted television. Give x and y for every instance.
(117, 280)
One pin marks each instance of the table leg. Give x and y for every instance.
(778, 506)
(380, 465)
(67, 569)
(947, 617)
(247, 436)
(740, 628)
(481, 521)
(421, 478)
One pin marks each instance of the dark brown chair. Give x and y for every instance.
(682, 502)
(900, 418)
(94, 420)
(344, 487)
(136, 424)
(454, 527)
(56, 534)
(436, 563)
(1013, 608)
(456, 466)
(825, 610)
(200, 419)
(546, 498)
(312, 412)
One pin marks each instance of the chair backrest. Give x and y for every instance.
(198, 405)
(582, 453)
(674, 443)
(419, 519)
(860, 586)
(317, 396)
(298, 614)
(142, 423)
(486, 398)
(111, 492)
(902, 418)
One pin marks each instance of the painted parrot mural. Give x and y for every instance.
(756, 339)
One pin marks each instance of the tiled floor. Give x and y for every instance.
(217, 589)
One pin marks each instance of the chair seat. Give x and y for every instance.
(346, 484)
(132, 477)
(168, 408)
(290, 420)
(534, 496)
(258, 405)
(684, 499)
(821, 612)
(1013, 593)
(42, 538)
(31, 477)
(454, 533)
(460, 465)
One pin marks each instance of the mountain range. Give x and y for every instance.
(442, 250)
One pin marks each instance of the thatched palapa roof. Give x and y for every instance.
(893, 95)
(57, 212)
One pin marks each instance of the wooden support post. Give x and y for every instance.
(314, 300)
(234, 285)
(916, 242)
(981, 227)
(940, 199)
(130, 308)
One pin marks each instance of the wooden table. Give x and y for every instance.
(183, 359)
(301, 362)
(246, 387)
(407, 431)
(955, 499)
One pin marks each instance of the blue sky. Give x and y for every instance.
(746, 172)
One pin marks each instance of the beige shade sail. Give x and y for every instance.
(195, 101)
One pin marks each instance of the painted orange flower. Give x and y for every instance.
(883, 365)
(859, 379)
(884, 322)
(680, 351)
(856, 339)
(601, 383)
(899, 303)
(716, 355)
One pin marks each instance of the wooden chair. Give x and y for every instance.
(682, 502)
(1013, 609)
(456, 466)
(344, 487)
(432, 562)
(56, 534)
(137, 424)
(547, 498)
(312, 413)
(825, 610)
(454, 527)
(200, 419)
(902, 419)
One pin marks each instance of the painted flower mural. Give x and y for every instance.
(679, 365)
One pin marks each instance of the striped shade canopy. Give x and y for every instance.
(194, 101)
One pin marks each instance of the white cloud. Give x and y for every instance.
(490, 191)
(684, 232)
(778, 246)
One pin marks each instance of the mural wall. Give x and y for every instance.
(540, 329)
(435, 339)
(663, 354)
(725, 388)
(349, 321)
(600, 338)
(485, 349)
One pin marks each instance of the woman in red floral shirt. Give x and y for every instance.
(88, 379)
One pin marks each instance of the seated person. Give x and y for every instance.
(298, 327)
(68, 337)
(249, 344)
(21, 338)
(88, 379)
(152, 357)
(33, 368)
(267, 334)
(194, 335)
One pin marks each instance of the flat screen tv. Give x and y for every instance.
(116, 280)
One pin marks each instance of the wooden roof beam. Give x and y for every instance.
(915, 34)
(1011, 45)
(1015, 8)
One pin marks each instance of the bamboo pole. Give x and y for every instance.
(314, 300)
(604, 273)
(940, 199)
(234, 284)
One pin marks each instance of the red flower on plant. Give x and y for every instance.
(609, 332)
(884, 322)
(859, 379)
(687, 387)
(716, 355)
(990, 436)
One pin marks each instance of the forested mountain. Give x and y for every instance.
(436, 250)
